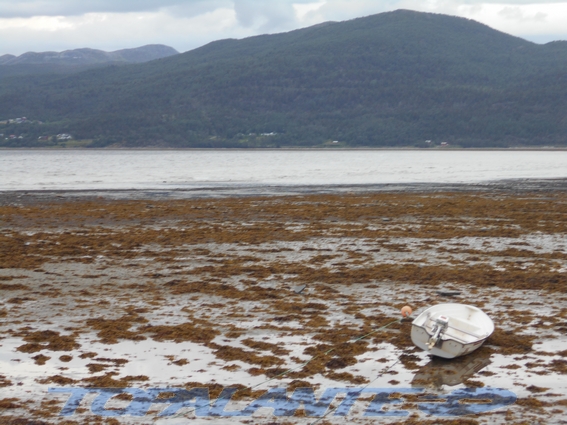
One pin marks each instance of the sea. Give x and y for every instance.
(30, 170)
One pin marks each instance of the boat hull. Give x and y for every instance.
(467, 330)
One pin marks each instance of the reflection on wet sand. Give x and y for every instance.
(451, 372)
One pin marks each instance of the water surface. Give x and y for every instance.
(186, 169)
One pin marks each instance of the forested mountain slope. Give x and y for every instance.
(393, 79)
(71, 61)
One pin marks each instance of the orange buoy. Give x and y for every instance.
(406, 311)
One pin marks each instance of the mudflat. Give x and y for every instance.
(143, 290)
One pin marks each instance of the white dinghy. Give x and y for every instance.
(451, 330)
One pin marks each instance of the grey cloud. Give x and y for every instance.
(28, 8)
(276, 11)
(246, 12)
(197, 7)
(267, 16)
(518, 2)
(515, 2)
(516, 14)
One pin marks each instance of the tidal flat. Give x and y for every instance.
(263, 292)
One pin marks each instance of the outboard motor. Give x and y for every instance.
(441, 324)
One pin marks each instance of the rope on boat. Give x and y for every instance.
(301, 366)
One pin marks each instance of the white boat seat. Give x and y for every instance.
(462, 330)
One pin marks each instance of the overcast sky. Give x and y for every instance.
(57, 25)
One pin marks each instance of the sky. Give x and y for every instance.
(57, 25)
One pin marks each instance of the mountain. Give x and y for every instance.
(392, 79)
(6, 58)
(76, 60)
(91, 56)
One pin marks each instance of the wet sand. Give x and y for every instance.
(509, 186)
(192, 289)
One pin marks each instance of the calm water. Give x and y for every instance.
(83, 170)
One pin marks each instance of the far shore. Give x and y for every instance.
(325, 148)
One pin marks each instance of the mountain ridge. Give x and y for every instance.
(87, 56)
(392, 79)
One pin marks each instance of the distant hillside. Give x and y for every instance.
(392, 79)
(91, 56)
(79, 59)
(6, 58)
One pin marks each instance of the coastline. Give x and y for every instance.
(505, 186)
(326, 149)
